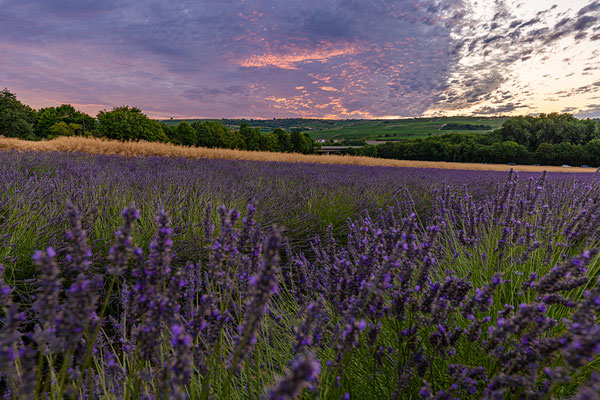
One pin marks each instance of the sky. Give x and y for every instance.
(310, 58)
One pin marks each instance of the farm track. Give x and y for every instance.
(137, 149)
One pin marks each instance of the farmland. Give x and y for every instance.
(391, 129)
(196, 278)
(142, 148)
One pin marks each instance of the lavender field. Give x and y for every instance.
(154, 278)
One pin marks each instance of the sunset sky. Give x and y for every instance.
(310, 58)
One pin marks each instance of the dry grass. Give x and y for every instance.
(132, 149)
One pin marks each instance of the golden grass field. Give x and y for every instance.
(133, 149)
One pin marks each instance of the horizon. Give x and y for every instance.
(335, 60)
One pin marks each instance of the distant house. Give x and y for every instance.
(320, 141)
(337, 140)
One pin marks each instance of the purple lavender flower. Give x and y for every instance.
(47, 295)
(78, 252)
(308, 333)
(181, 363)
(303, 371)
(120, 252)
(79, 312)
(159, 264)
(590, 390)
(265, 285)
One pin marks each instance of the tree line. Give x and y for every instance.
(465, 127)
(130, 123)
(549, 139)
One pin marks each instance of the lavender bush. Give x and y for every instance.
(421, 287)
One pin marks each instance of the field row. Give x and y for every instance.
(101, 146)
(155, 277)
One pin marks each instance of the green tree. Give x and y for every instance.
(63, 129)
(368, 151)
(48, 118)
(185, 134)
(565, 153)
(269, 142)
(125, 123)
(544, 154)
(310, 143)
(252, 137)
(299, 143)
(16, 118)
(70, 115)
(591, 153)
(237, 141)
(66, 113)
(212, 134)
(170, 132)
(510, 151)
(283, 140)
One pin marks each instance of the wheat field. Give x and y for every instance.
(141, 148)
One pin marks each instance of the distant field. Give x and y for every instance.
(102, 146)
(390, 129)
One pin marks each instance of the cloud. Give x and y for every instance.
(590, 111)
(498, 110)
(495, 48)
(393, 55)
(585, 89)
(266, 58)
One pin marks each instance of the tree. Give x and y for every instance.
(185, 134)
(283, 140)
(16, 118)
(64, 129)
(591, 153)
(269, 142)
(252, 137)
(544, 154)
(298, 141)
(170, 132)
(368, 151)
(70, 115)
(48, 118)
(125, 123)
(66, 113)
(212, 134)
(565, 153)
(310, 143)
(237, 141)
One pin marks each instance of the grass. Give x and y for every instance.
(135, 149)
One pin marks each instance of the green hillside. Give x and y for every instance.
(368, 129)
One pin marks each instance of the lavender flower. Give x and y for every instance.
(181, 363)
(303, 371)
(160, 258)
(120, 252)
(265, 285)
(49, 287)
(78, 252)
